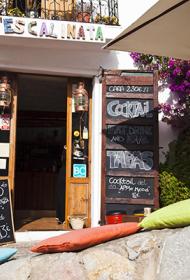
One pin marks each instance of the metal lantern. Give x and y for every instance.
(80, 96)
(5, 92)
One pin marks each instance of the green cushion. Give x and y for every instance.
(171, 216)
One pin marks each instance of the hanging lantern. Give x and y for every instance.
(80, 96)
(5, 92)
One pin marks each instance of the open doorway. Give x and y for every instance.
(40, 154)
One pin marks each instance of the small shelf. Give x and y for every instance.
(132, 218)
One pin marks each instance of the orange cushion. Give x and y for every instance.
(84, 238)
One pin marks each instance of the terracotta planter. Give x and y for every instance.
(83, 17)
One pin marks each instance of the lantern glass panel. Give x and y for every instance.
(5, 92)
(80, 96)
(5, 96)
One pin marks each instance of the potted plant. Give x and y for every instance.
(83, 12)
(113, 20)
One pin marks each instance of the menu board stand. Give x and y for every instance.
(130, 155)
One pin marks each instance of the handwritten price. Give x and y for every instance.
(4, 231)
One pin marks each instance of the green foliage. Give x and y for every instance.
(175, 172)
(171, 189)
(182, 162)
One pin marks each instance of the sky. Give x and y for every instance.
(130, 10)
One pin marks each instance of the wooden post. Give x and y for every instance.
(13, 140)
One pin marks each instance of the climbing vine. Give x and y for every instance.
(176, 74)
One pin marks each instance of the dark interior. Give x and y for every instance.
(41, 136)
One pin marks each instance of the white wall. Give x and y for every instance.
(96, 151)
(80, 59)
(166, 133)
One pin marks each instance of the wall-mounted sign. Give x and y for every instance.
(4, 122)
(3, 163)
(4, 149)
(52, 29)
(4, 166)
(79, 170)
(130, 141)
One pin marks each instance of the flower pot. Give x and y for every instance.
(115, 217)
(83, 17)
(76, 222)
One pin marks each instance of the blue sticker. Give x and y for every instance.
(79, 170)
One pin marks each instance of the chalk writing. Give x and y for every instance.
(129, 109)
(4, 231)
(6, 226)
(129, 134)
(129, 89)
(129, 187)
(2, 217)
(1, 191)
(132, 160)
(3, 201)
(3, 185)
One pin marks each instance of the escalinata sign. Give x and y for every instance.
(52, 29)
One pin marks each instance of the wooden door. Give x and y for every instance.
(78, 190)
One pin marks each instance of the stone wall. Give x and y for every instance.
(150, 255)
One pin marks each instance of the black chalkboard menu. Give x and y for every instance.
(129, 140)
(6, 221)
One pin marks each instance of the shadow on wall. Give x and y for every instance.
(167, 133)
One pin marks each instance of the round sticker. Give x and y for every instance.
(76, 133)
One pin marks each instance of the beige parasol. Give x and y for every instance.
(162, 30)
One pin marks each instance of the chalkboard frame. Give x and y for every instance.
(129, 77)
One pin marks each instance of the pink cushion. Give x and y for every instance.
(84, 238)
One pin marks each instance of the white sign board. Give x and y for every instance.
(4, 150)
